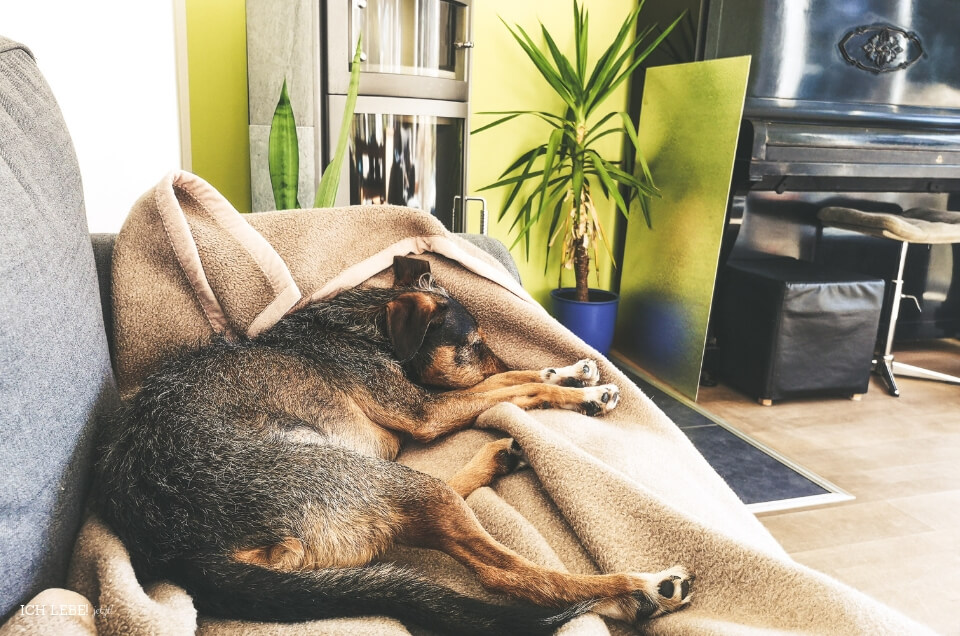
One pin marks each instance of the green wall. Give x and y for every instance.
(503, 79)
(217, 67)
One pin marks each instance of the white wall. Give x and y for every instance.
(112, 66)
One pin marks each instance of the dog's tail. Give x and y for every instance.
(249, 592)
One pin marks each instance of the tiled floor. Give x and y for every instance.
(899, 540)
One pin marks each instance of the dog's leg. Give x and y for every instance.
(496, 458)
(579, 374)
(456, 410)
(441, 520)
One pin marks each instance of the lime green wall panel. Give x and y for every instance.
(688, 131)
(217, 67)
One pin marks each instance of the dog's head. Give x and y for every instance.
(435, 336)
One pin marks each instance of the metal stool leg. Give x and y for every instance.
(910, 371)
(886, 367)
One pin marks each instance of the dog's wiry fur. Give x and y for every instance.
(258, 474)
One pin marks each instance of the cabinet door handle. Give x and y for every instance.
(463, 45)
(462, 225)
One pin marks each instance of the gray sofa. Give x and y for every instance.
(56, 378)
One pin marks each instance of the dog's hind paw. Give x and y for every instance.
(656, 594)
(599, 400)
(509, 456)
(579, 374)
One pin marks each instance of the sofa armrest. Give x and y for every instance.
(496, 249)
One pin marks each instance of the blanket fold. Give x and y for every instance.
(627, 492)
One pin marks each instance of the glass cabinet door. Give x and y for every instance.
(403, 152)
(409, 160)
(411, 48)
(411, 37)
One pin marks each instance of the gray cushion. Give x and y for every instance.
(496, 249)
(55, 376)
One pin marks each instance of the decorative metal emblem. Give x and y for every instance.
(881, 49)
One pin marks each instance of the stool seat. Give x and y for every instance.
(916, 225)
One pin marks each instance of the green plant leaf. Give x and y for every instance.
(557, 195)
(631, 130)
(555, 138)
(495, 123)
(283, 154)
(567, 73)
(638, 60)
(531, 218)
(609, 131)
(519, 184)
(602, 67)
(524, 158)
(641, 163)
(631, 181)
(518, 179)
(330, 179)
(601, 167)
(524, 214)
(543, 65)
(577, 185)
(541, 113)
(581, 33)
(602, 88)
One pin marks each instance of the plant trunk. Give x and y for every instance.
(581, 270)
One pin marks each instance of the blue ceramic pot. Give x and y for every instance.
(593, 321)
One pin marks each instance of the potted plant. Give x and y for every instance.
(557, 181)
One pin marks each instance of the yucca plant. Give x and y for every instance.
(283, 152)
(558, 179)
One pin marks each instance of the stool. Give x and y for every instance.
(917, 225)
(790, 328)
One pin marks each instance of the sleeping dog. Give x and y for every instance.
(258, 474)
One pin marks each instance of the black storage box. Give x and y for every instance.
(790, 328)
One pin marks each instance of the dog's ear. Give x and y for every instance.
(407, 271)
(409, 316)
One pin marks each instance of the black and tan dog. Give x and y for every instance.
(258, 474)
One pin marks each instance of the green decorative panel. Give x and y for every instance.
(688, 132)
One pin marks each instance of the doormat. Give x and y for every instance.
(763, 479)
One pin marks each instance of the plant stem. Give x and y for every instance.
(581, 270)
(581, 256)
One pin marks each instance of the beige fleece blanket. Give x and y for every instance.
(626, 492)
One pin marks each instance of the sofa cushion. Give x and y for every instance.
(55, 376)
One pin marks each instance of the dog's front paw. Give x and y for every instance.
(599, 400)
(579, 374)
